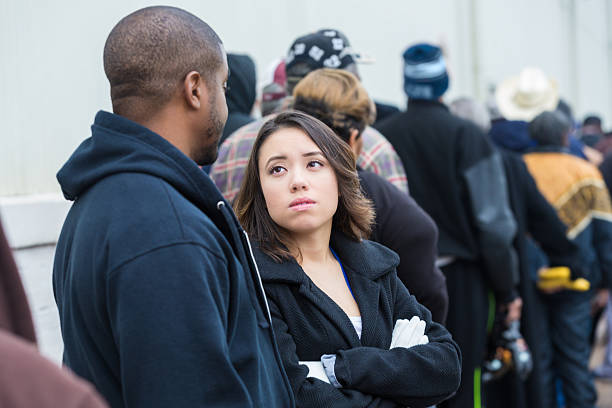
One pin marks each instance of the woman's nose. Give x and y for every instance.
(298, 183)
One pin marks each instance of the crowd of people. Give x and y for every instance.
(333, 251)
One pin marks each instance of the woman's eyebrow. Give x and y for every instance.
(280, 157)
(315, 153)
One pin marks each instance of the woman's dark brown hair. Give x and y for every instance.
(354, 215)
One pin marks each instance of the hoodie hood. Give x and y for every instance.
(118, 145)
(242, 84)
(512, 135)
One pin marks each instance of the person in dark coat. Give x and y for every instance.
(27, 379)
(335, 298)
(159, 299)
(456, 176)
(536, 220)
(241, 93)
(338, 99)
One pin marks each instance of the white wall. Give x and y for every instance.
(52, 81)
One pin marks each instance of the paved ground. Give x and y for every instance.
(35, 265)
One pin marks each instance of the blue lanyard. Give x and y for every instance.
(343, 273)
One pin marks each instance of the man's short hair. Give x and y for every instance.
(549, 128)
(148, 54)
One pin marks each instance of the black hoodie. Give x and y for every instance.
(241, 93)
(159, 299)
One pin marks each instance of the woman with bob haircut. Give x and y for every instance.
(337, 98)
(349, 333)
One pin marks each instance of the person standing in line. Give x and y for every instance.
(577, 191)
(350, 333)
(241, 94)
(537, 222)
(338, 99)
(326, 48)
(455, 175)
(159, 298)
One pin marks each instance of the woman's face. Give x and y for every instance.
(298, 183)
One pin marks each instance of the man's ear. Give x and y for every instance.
(353, 137)
(194, 90)
(355, 142)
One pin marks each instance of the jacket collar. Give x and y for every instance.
(425, 103)
(366, 258)
(549, 149)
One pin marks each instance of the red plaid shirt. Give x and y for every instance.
(377, 155)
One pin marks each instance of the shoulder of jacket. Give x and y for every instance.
(367, 258)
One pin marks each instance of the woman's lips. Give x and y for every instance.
(301, 204)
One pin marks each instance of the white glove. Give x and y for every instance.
(315, 370)
(408, 333)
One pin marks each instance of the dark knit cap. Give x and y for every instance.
(425, 75)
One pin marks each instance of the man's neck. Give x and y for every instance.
(167, 124)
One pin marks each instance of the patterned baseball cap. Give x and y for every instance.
(358, 57)
(323, 49)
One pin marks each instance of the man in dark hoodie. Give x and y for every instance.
(159, 298)
(241, 93)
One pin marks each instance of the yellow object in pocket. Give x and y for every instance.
(557, 273)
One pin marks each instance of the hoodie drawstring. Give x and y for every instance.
(245, 243)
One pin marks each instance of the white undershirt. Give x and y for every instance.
(356, 320)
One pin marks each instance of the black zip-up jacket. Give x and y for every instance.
(457, 178)
(309, 324)
(402, 226)
(159, 299)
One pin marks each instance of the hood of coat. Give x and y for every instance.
(366, 258)
(118, 145)
(242, 84)
(511, 135)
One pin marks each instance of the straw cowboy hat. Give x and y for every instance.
(525, 96)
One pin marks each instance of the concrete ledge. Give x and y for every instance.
(34, 219)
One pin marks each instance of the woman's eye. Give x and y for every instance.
(276, 170)
(315, 163)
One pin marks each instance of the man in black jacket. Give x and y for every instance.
(458, 179)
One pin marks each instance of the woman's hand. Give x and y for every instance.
(408, 333)
(316, 370)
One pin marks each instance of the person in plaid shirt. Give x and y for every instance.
(323, 49)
